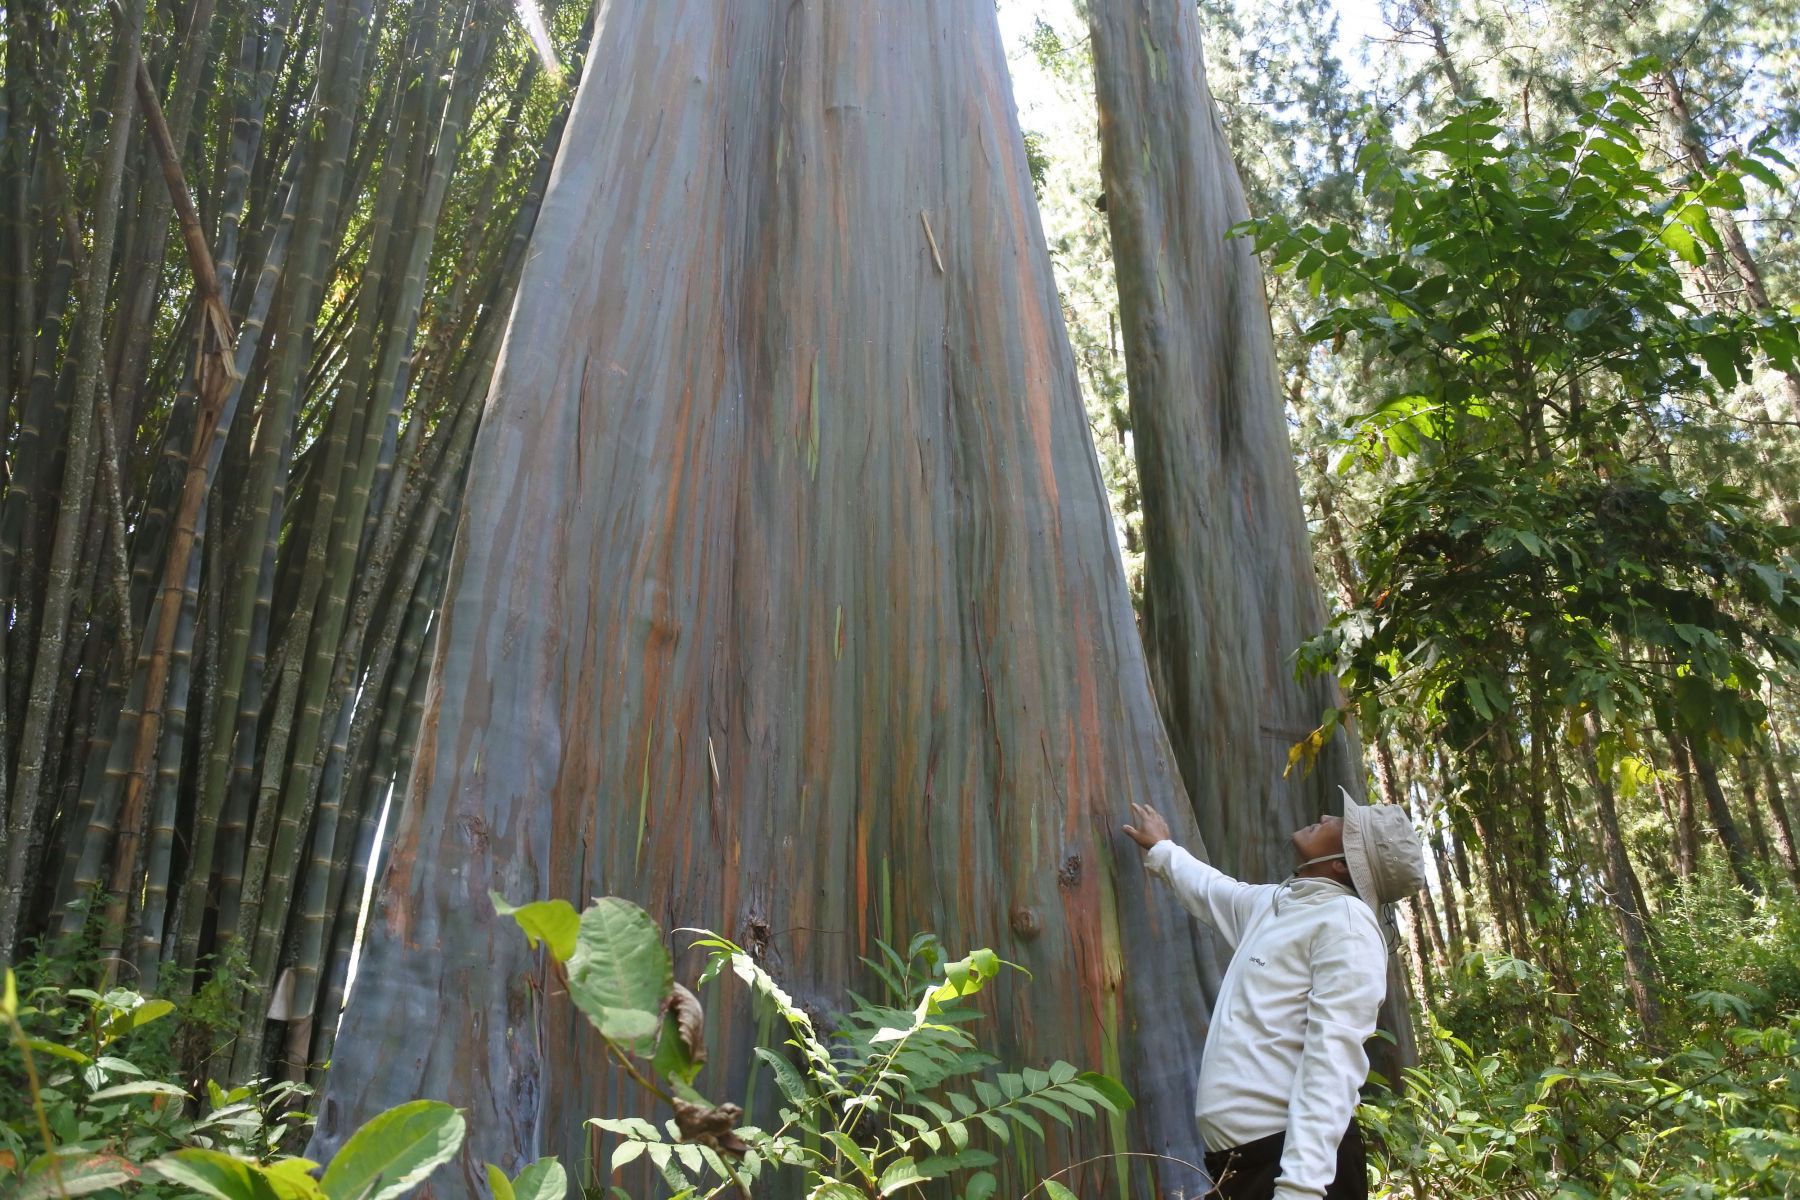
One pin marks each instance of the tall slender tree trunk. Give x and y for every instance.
(1724, 824)
(1778, 809)
(1623, 895)
(1429, 12)
(785, 599)
(1453, 927)
(1229, 587)
(1687, 828)
(1748, 782)
(1749, 271)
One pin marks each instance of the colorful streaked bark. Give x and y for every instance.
(785, 600)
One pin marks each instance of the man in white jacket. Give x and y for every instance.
(1284, 1055)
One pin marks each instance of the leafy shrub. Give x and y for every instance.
(1720, 1117)
(892, 1098)
(77, 1118)
(180, 1047)
(1713, 938)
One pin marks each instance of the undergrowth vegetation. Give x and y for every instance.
(1525, 1089)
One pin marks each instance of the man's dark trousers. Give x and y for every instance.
(1248, 1172)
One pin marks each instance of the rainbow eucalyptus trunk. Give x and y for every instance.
(786, 600)
(1229, 587)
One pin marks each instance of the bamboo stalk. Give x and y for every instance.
(228, 674)
(169, 130)
(347, 44)
(321, 668)
(216, 377)
(23, 814)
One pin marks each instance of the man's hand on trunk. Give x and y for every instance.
(1150, 828)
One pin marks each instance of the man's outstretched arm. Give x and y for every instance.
(1208, 893)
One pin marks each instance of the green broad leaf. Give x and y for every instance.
(1681, 240)
(1726, 190)
(935, 1168)
(75, 1173)
(922, 1131)
(964, 977)
(1057, 1191)
(787, 1076)
(1111, 1092)
(1049, 1108)
(852, 1152)
(552, 922)
(628, 1152)
(982, 1185)
(620, 971)
(135, 1018)
(58, 1051)
(1774, 582)
(662, 1155)
(138, 1087)
(673, 1059)
(1720, 353)
(1763, 150)
(1012, 1085)
(545, 1179)
(395, 1151)
(1478, 698)
(498, 1184)
(1019, 1116)
(901, 1173)
(934, 1108)
(216, 1174)
(835, 1189)
(1761, 172)
(292, 1179)
(631, 1127)
(119, 1066)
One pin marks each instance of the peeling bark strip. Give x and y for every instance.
(1229, 587)
(786, 597)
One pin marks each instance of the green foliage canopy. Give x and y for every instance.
(1542, 541)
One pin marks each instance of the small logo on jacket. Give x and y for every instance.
(1259, 962)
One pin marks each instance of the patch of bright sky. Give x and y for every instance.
(1360, 30)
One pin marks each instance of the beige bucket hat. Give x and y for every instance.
(1384, 854)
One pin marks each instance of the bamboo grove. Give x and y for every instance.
(257, 263)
